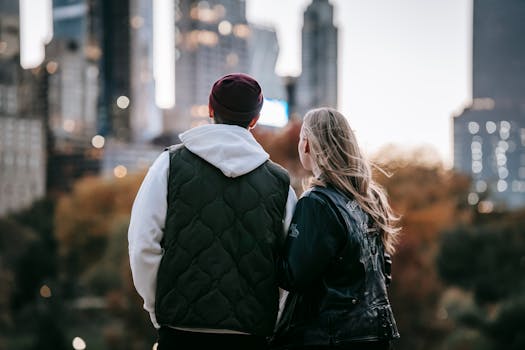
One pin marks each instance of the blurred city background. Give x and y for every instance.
(92, 91)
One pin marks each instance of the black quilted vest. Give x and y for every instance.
(221, 240)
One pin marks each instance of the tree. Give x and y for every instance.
(85, 218)
(91, 229)
(25, 264)
(429, 199)
(487, 259)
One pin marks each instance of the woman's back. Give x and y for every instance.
(338, 290)
(336, 261)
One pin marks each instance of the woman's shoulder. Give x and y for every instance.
(328, 193)
(317, 200)
(315, 208)
(314, 195)
(336, 202)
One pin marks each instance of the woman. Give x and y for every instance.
(336, 260)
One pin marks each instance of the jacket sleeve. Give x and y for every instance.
(146, 230)
(313, 241)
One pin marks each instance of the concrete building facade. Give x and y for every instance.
(489, 136)
(317, 84)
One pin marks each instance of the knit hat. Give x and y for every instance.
(236, 98)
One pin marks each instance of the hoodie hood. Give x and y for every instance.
(230, 148)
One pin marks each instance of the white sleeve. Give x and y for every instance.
(146, 230)
(290, 207)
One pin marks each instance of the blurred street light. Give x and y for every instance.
(123, 102)
(120, 171)
(98, 141)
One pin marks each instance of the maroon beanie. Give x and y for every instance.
(236, 98)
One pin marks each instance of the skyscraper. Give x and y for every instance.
(114, 116)
(211, 40)
(489, 136)
(263, 48)
(498, 52)
(22, 120)
(73, 68)
(146, 118)
(317, 85)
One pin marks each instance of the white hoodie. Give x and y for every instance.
(230, 148)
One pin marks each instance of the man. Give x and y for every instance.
(206, 227)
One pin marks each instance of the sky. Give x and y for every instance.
(404, 65)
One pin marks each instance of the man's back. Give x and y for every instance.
(221, 239)
(205, 229)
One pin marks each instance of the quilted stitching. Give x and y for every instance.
(221, 239)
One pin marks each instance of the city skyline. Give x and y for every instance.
(404, 67)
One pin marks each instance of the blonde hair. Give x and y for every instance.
(340, 163)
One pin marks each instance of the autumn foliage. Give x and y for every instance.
(90, 214)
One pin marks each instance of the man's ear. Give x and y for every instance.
(211, 112)
(307, 146)
(253, 122)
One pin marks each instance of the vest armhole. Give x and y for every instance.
(279, 172)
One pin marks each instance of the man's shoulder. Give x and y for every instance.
(278, 170)
(174, 148)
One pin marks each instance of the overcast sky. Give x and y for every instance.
(404, 65)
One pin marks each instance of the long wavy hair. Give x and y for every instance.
(338, 161)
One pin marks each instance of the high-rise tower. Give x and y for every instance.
(489, 136)
(498, 52)
(23, 111)
(317, 85)
(212, 40)
(146, 117)
(264, 51)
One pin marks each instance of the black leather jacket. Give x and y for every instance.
(337, 273)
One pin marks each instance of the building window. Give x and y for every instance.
(473, 198)
(491, 127)
(477, 167)
(503, 173)
(11, 100)
(518, 186)
(481, 186)
(473, 128)
(521, 173)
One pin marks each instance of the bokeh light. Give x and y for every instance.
(120, 171)
(78, 343)
(45, 291)
(68, 125)
(225, 28)
(98, 141)
(123, 102)
(51, 67)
